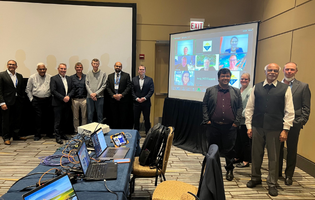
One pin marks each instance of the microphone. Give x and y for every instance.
(103, 120)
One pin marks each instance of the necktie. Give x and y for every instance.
(117, 83)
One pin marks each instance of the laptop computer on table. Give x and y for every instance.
(102, 151)
(59, 188)
(95, 171)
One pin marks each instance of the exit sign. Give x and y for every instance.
(196, 25)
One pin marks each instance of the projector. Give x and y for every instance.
(88, 129)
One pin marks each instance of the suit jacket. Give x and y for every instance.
(58, 90)
(147, 89)
(302, 102)
(125, 85)
(8, 91)
(210, 102)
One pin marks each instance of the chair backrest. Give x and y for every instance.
(211, 181)
(168, 149)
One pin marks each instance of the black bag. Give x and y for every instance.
(152, 150)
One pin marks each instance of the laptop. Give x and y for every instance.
(95, 171)
(59, 188)
(102, 151)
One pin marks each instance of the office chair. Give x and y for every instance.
(210, 185)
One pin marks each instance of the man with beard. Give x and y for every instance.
(119, 87)
(269, 115)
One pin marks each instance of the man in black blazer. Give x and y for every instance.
(143, 89)
(11, 97)
(302, 102)
(61, 90)
(222, 112)
(119, 86)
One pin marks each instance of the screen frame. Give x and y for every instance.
(209, 28)
(133, 6)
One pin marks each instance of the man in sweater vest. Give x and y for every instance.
(269, 115)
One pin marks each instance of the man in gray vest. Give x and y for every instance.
(269, 115)
(302, 102)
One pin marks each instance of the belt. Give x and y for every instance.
(221, 123)
(40, 97)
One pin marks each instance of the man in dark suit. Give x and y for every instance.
(222, 112)
(119, 86)
(11, 97)
(302, 101)
(61, 90)
(143, 89)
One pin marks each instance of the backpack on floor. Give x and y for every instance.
(153, 148)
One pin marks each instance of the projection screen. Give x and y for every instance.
(67, 32)
(196, 57)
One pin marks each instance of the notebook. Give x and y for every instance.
(59, 188)
(102, 151)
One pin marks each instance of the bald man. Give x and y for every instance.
(119, 86)
(269, 116)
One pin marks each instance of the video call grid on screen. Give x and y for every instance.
(56, 32)
(196, 57)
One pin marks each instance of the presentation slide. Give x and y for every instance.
(67, 32)
(197, 56)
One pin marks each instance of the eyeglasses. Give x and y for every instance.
(11, 64)
(244, 79)
(118, 66)
(273, 70)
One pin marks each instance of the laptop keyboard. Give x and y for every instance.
(110, 152)
(97, 170)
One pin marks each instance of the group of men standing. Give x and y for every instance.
(275, 112)
(62, 93)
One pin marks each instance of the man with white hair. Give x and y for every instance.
(38, 92)
(302, 102)
(269, 115)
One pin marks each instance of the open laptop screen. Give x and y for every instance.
(84, 157)
(60, 188)
(99, 142)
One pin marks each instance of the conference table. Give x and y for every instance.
(89, 189)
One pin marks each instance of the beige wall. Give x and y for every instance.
(287, 33)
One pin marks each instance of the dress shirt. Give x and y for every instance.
(288, 108)
(65, 83)
(14, 78)
(223, 110)
(79, 85)
(290, 83)
(141, 81)
(38, 86)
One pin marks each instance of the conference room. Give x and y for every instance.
(286, 33)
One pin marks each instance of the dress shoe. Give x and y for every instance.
(7, 142)
(252, 184)
(273, 191)
(36, 138)
(59, 141)
(288, 181)
(19, 138)
(241, 165)
(229, 175)
(65, 137)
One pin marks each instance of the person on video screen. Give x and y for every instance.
(206, 65)
(186, 51)
(186, 78)
(183, 66)
(234, 48)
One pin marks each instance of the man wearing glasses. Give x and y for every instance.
(38, 91)
(269, 115)
(11, 96)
